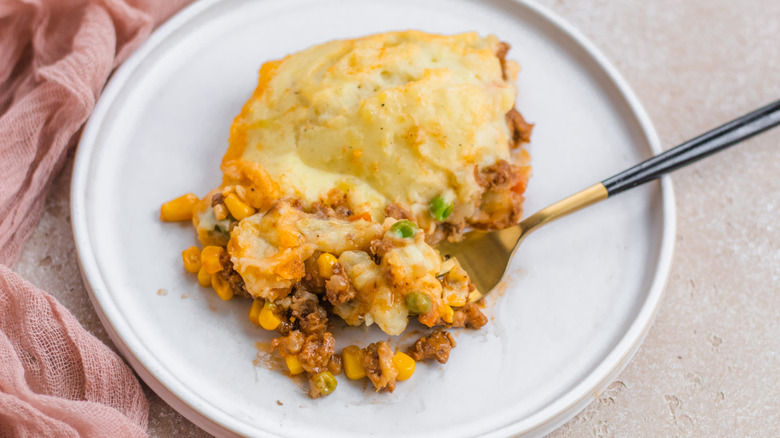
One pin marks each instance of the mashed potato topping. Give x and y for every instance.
(401, 117)
(348, 163)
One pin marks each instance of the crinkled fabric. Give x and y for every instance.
(56, 379)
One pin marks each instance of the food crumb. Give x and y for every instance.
(185, 296)
(279, 403)
(162, 292)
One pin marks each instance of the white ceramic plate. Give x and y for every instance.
(581, 294)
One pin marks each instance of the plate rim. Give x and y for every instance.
(215, 420)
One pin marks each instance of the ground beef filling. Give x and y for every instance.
(503, 49)
(519, 129)
(497, 176)
(378, 362)
(502, 201)
(290, 344)
(218, 199)
(396, 211)
(304, 327)
(338, 287)
(230, 276)
(469, 316)
(316, 352)
(437, 346)
(335, 205)
(307, 312)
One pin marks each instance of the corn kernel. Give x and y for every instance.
(404, 364)
(447, 313)
(294, 365)
(179, 209)
(204, 278)
(222, 287)
(241, 193)
(209, 257)
(325, 264)
(237, 208)
(352, 362)
(254, 311)
(220, 212)
(267, 318)
(191, 258)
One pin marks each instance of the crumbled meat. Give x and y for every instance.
(334, 366)
(312, 280)
(501, 52)
(231, 276)
(520, 129)
(499, 175)
(309, 314)
(316, 352)
(338, 288)
(451, 231)
(289, 345)
(436, 346)
(378, 362)
(217, 200)
(501, 203)
(285, 327)
(379, 247)
(498, 210)
(334, 205)
(469, 316)
(396, 211)
(325, 211)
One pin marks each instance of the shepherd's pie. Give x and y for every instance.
(345, 167)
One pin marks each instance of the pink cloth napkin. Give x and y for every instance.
(55, 57)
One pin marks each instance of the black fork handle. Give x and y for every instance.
(702, 146)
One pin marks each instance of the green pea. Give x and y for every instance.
(404, 228)
(418, 302)
(441, 209)
(325, 382)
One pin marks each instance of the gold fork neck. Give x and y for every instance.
(577, 201)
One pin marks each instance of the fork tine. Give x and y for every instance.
(483, 255)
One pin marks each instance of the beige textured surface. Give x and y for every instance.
(711, 362)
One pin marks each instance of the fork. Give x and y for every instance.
(485, 255)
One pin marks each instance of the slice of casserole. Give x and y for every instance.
(348, 162)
